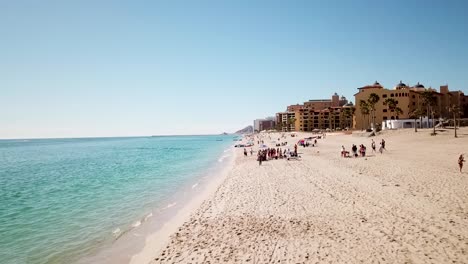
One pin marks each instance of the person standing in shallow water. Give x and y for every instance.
(461, 159)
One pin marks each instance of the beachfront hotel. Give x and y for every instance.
(409, 100)
(285, 121)
(334, 113)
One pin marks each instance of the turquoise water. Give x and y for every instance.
(62, 199)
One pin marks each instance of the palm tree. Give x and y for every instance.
(398, 112)
(455, 110)
(391, 104)
(291, 121)
(342, 118)
(433, 112)
(351, 119)
(416, 113)
(372, 101)
(279, 126)
(364, 107)
(429, 101)
(348, 113)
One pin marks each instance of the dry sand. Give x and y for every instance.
(408, 205)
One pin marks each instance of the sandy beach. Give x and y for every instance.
(407, 205)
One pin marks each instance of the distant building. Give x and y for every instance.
(267, 125)
(256, 125)
(408, 99)
(264, 124)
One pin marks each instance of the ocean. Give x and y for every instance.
(64, 199)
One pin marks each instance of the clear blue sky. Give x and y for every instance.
(122, 68)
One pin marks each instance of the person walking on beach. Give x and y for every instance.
(251, 151)
(461, 159)
(383, 144)
(245, 152)
(381, 148)
(373, 146)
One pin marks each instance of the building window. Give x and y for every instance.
(385, 110)
(391, 95)
(384, 118)
(392, 118)
(414, 103)
(414, 96)
(384, 96)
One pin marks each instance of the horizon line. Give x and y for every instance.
(91, 137)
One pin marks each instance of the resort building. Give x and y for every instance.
(308, 119)
(320, 114)
(320, 104)
(286, 120)
(409, 100)
(292, 108)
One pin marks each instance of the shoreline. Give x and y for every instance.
(132, 242)
(156, 240)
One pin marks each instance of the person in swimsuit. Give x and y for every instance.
(461, 159)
